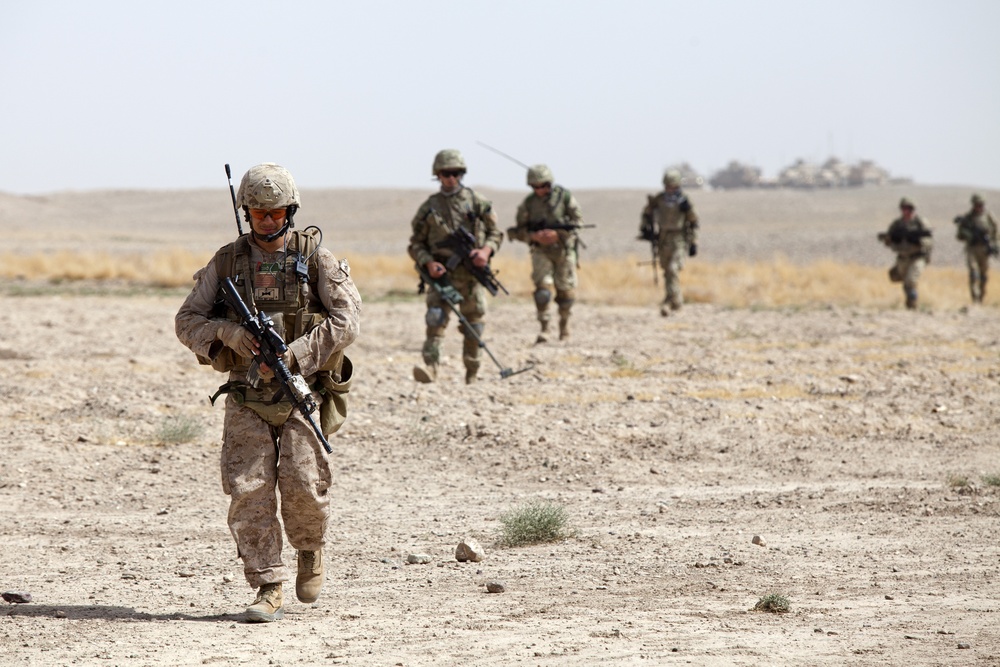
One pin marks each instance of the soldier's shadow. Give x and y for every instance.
(108, 613)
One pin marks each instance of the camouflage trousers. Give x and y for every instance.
(672, 250)
(259, 461)
(907, 270)
(977, 259)
(472, 307)
(553, 266)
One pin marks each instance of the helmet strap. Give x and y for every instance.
(289, 223)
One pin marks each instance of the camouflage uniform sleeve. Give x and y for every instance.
(993, 226)
(962, 228)
(646, 217)
(342, 302)
(690, 223)
(927, 241)
(494, 237)
(571, 215)
(520, 231)
(419, 249)
(192, 324)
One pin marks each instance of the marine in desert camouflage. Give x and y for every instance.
(910, 238)
(977, 229)
(548, 220)
(315, 307)
(670, 221)
(453, 206)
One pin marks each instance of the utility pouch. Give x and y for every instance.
(894, 275)
(333, 409)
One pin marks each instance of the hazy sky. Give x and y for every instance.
(160, 95)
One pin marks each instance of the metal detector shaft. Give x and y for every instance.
(451, 297)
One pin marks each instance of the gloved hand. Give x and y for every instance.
(235, 337)
(692, 250)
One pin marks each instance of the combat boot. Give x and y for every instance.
(309, 579)
(564, 327)
(543, 336)
(267, 606)
(665, 309)
(470, 374)
(425, 375)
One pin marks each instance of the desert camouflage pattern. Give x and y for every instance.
(449, 158)
(539, 174)
(435, 220)
(257, 436)
(258, 460)
(268, 186)
(676, 223)
(553, 267)
(972, 228)
(473, 308)
(912, 256)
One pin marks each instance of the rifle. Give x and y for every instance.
(451, 297)
(980, 236)
(559, 227)
(647, 232)
(461, 242)
(271, 349)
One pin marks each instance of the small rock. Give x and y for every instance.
(495, 587)
(227, 578)
(16, 597)
(819, 630)
(888, 597)
(964, 646)
(60, 614)
(418, 559)
(758, 540)
(469, 550)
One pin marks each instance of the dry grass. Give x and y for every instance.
(624, 281)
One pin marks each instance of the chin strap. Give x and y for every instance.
(270, 237)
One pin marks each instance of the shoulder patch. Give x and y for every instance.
(345, 267)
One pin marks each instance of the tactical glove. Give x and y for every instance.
(692, 250)
(238, 339)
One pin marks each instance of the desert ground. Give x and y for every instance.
(858, 442)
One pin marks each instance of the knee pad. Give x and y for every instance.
(435, 317)
(542, 297)
(565, 299)
(478, 327)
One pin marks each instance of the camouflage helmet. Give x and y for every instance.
(977, 200)
(449, 158)
(539, 174)
(906, 203)
(672, 178)
(268, 186)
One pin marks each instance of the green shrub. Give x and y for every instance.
(534, 522)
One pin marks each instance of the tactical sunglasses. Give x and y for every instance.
(258, 214)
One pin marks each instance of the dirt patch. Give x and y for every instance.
(838, 436)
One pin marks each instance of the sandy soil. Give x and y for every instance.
(836, 435)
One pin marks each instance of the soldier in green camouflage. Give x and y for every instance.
(547, 220)
(978, 230)
(910, 238)
(670, 221)
(453, 206)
